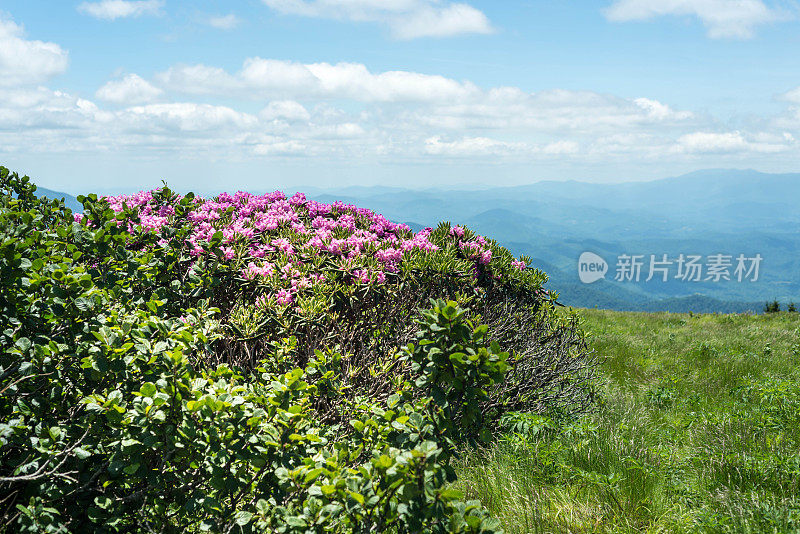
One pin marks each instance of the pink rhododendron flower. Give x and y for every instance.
(457, 231)
(283, 297)
(253, 270)
(284, 238)
(283, 245)
(362, 275)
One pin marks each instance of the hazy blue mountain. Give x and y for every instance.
(706, 212)
(70, 201)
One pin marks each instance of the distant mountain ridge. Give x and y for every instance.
(70, 201)
(704, 212)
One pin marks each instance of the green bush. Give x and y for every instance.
(125, 404)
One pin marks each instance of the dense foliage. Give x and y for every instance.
(254, 364)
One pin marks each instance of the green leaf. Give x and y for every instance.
(84, 304)
(295, 521)
(131, 469)
(357, 496)
(313, 474)
(148, 389)
(451, 495)
(81, 453)
(242, 518)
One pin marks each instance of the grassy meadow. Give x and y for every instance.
(698, 430)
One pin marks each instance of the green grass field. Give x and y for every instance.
(698, 430)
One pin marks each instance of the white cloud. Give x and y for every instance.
(723, 18)
(345, 112)
(792, 96)
(446, 21)
(406, 19)
(198, 80)
(658, 111)
(359, 10)
(26, 112)
(188, 116)
(439, 116)
(131, 89)
(732, 142)
(288, 110)
(224, 22)
(42, 120)
(471, 146)
(511, 126)
(260, 78)
(117, 9)
(632, 145)
(790, 118)
(558, 148)
(555, 111)
(44, 109)
(485, 146)
(24, 62)
(353, 80)
(347, 130)
(272, 74)
(445, 103)
(712, 142)
(280, 148)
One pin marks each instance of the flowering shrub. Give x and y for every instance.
(290, 246)
(251, 363)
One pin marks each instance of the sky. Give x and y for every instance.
(117, 95)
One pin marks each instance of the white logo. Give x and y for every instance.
(591, 267)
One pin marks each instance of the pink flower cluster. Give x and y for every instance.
(277, 241)
(457, 231)
(252, 271)
(478, 249)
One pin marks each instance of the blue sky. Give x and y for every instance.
(115, 95)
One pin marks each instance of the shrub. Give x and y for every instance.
(772, 307)
(153, 379)
(334, 275)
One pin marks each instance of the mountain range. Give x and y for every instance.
(704, 213)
